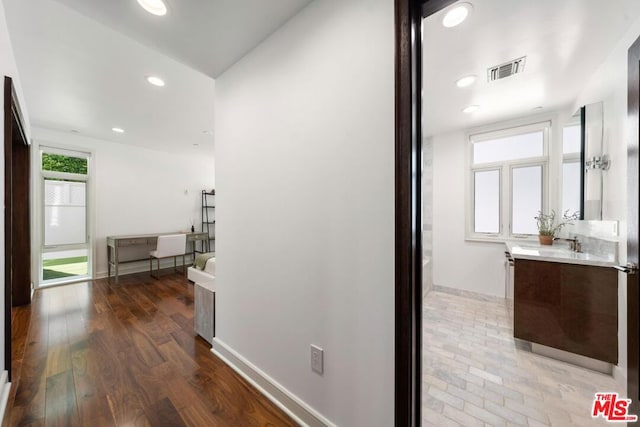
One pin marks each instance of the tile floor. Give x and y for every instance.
(474, 374)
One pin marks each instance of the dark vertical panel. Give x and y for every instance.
(20, 218)
(633, 302)
(8, 149)
(408, 268)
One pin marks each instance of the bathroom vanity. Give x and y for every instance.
(565, 300)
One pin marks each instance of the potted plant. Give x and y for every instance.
(548, 228)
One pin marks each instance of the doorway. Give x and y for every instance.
(64, 194)
(409, 222)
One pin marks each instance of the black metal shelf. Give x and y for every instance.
(207, 222)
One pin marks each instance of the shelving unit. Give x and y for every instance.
(209, 219)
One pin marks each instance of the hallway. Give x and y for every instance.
(100, 354)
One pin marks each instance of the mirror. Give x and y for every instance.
(584, 162)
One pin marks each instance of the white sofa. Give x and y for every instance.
(204, 278)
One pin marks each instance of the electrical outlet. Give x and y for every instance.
(317, 359)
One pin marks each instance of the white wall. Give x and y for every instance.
(609, 85)
(470, 266)
(136, 190)
(7, 68)
(304, 173)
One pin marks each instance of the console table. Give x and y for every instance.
(131, 248)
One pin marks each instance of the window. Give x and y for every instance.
(508, 173)
(65, 241)
(62, 163)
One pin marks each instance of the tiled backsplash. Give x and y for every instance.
(607, 230)
(595, 237)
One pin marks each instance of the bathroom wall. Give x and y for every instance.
(458, 263)
(609, 85)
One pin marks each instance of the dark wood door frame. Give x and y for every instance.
(408, 200)
(633, 234)
(8, 154)
(17, 226)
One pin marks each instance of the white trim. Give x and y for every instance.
(301, 412)
(37, 208)
(4, 394)
(62, 151)
(503, 132)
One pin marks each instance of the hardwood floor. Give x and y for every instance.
(100, 354)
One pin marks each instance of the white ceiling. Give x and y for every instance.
(564, 40)
(83, 66)
(207, 35)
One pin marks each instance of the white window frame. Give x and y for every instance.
(506, 179)
(39, 176)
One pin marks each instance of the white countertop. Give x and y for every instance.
(556, 253)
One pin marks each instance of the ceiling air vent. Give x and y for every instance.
(507, 69)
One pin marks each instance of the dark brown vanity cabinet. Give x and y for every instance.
(567, 306)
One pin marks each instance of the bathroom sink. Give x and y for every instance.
(559, 253)
(542, 250)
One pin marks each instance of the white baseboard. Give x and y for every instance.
(5, 389)
(301, 413)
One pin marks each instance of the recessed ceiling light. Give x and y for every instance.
(471, 109)
(156, 81)
(155, 7)
(538, 108)
(207, 132)
(456, 15)
(118, 130)
(195, 145)
(466, 81)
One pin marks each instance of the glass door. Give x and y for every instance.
(66, 254)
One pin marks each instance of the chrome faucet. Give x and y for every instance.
(574, 244)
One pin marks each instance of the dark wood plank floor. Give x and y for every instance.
(100, 354)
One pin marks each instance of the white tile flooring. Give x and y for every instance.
(474, 374)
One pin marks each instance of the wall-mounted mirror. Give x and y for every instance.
(584, 162)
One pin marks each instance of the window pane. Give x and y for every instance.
(571, 139)
(64, 264)
(571, 187)
(526, 199)
(509, 148)
(487, 201)
(64, 212)
(60, 163)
